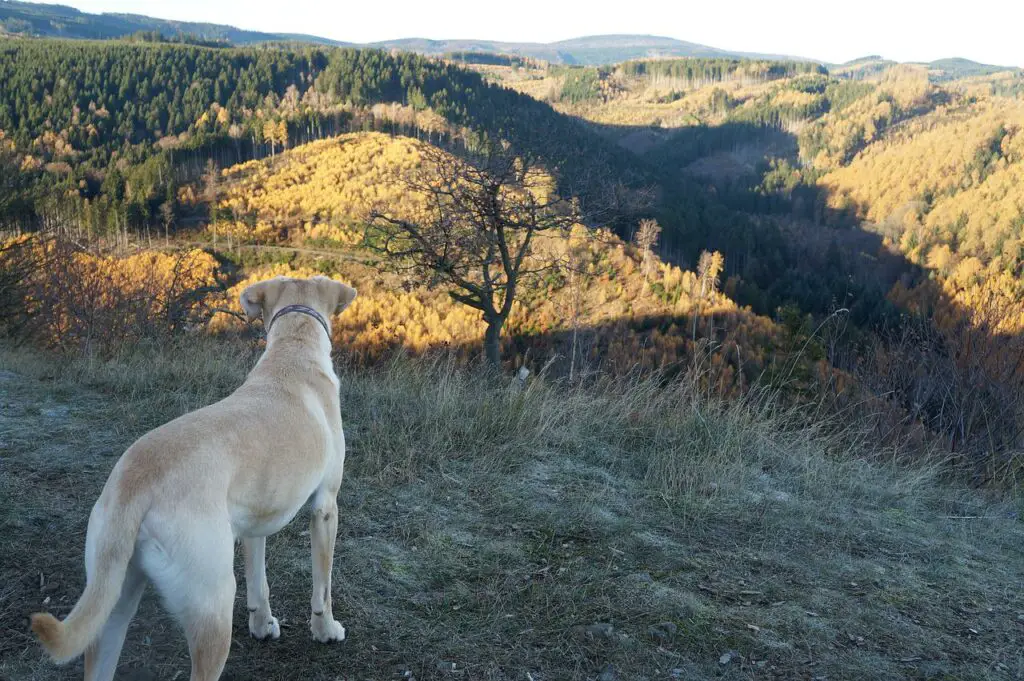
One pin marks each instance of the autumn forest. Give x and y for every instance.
(850, 234)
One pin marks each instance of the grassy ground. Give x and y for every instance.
(628, 531)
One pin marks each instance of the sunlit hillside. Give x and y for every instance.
(922, 162)
(596, 298)
(950, 179)
(660, 93)
(808, 230)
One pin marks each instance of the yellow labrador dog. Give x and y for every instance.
(241, 468)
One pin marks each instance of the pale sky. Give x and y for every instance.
(988, 31)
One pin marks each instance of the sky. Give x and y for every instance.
(987, 31)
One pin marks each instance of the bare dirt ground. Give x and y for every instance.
(474, 546)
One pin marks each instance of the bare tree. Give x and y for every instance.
(646, 239)
(476, 233)
(709, 267)
(211, 194)
(167, 217)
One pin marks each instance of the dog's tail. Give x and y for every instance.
(109, 545)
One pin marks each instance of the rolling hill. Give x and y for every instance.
(957, 67)
(59, 21)
(587, 50)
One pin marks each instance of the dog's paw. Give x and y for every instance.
(326, 629)
(262, 627)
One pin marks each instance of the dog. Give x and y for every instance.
(180, 496)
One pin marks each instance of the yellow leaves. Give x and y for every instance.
(945, 157)
(83, 299)
(325, 185)
(939, 258)
(315, 195)
(54, 144)
(795, 98)
(968, 271)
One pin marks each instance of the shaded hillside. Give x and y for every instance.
(910, 187)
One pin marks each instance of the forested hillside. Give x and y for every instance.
(672, 368)
(118, 124)
(809, 222)
(898, 185)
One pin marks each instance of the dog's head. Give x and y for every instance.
(326, 296)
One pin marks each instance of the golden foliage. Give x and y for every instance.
(953, 179)
(322, 188)
(844, 131)
(592, 304)
(91, 302)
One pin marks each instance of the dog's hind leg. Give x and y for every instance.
(195, 575)
(323, 532)
(262, 624)
(102, 655)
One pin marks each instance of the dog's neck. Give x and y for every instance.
(289, 331)
(300, 309)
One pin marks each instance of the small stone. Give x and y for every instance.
(728, 657)
(608, 674)
(663, 631)
(594, 631)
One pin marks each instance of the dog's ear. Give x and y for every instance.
(346, 295)
(253, 298)
(335, 295)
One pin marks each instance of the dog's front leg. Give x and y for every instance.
(262, 624)
(323, 531)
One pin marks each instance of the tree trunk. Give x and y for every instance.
(492, 342)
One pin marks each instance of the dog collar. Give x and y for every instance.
(303, 309)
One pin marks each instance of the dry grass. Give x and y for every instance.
(628, 530)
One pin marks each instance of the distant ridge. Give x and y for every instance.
(60, 21)
(588, 50)
(958, 67)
